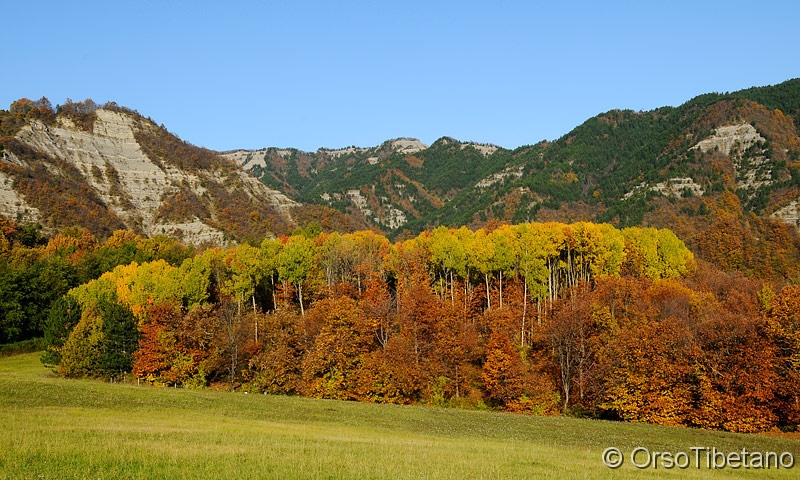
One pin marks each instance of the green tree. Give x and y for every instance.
(64, 314)
(29, 283)
(82, 352)
(120, 337)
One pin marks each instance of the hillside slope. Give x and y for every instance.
(616, 167)
(110, 168)
(722, 170)
(387, 186)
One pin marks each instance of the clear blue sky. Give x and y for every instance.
(304, 74)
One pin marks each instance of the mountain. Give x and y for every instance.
(619, 167)
(722, 170)
(388, 186)
(109, 168)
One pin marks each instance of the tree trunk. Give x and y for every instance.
(300, 297)
(564, 361)
(274, 292)
(488, 296)
(457, 390)
(255, 316)
(501, 289)
(524, 312)
(452, 289)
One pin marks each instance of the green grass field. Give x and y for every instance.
(57, 428)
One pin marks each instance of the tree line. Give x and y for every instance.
(538, 318)
(36, 271)
(535, 318)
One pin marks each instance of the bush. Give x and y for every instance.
(25, 346)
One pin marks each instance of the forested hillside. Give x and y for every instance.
(532, 318)
(722, 170)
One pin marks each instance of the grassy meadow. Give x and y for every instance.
(58, 428)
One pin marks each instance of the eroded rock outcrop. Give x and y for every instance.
(134, 186)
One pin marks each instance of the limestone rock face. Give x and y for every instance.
(790, 213)
(131, 184)
(407, 145)
(725, 138)
(753, 171)
(107, 158)
(13, 205)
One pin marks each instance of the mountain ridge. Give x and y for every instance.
(132, 173)
(691, 168)
(677, 147)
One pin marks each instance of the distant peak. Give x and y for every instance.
(446, 141)
(405, 145)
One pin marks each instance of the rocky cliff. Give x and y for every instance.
(153, 192)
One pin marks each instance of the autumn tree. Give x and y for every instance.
(275, 368)
(230, 337)
(156, 344)
(569, 335)
(295, 262)
(501, 373)
(330, 368)
(782, 323)
(649, 374)
(173, 346)
(737, 375)
(456, 343)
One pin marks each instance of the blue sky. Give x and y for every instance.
(304, 74)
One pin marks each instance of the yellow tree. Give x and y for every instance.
(532, 264)
(448, 256)
(331, 366)
(295, 262)
(650, 374)
(195, 277)
(677, 260)
(270, 254)
(552, 238)
(656, 254)
(504, 243)
(480, 257)
(368, 251)
(139, 286)
(247, 270)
